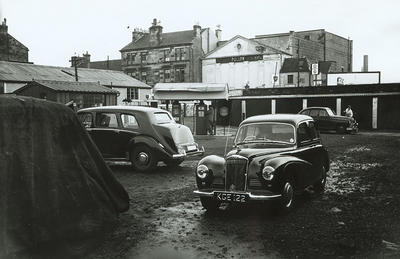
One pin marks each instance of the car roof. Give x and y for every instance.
(315, 107)
(122, 108)
(283, 118)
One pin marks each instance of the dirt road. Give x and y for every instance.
(357, 217)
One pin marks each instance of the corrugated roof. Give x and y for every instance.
(190, 91)
(67, 86)
(167, 39)
(295, 65)
(25, 72)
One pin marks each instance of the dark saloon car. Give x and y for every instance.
(142, 135)
(275, 157)
(326, 120)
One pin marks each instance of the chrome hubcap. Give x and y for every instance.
(143, 158)
(288, 194)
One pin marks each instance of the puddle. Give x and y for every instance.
(185, 231)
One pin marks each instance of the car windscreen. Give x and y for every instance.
(266, 133)
(330, 112)
(163, 117)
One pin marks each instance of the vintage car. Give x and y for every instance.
(275, 157)
(326, 120)
(141, 135)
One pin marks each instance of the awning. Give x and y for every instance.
(190, 91)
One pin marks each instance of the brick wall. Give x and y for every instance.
(12, 50)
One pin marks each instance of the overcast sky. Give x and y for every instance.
(54, 30)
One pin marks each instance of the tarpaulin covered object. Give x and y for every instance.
(54, 183)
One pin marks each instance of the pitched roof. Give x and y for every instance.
(25, 72)
(67, 86)
(167, 39)
(295, 65)
(244, 38)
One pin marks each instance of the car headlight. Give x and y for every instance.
(268, 173)
(202, 171)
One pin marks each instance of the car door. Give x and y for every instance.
(308, 146)
(324, 121)
(128, 130)
(105, 133)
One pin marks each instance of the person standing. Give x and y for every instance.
(210, 120)
(348, 112)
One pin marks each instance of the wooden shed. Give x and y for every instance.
(83, 94)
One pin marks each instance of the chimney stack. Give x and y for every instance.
(137, 34)
(4, 27)
(365, 64)
(218, 32)
(155, 33)
(197, 30)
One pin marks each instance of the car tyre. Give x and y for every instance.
(319, 186)
(210, 204)
(143, 159)
(287, 202)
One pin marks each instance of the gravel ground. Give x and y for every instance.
(357, 217)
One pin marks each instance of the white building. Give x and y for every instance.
(243, 63)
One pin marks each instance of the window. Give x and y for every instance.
(167, 75)
(302, 133)
(106, 120)
(306, 112)
(179, 53)
(129, 121)
(307, 37)
(143, 57)
(143, 76)
(132, 93)
(85, 119)
(323, 113)
(165, 57)
(290, 79)
(163, 117)
(180, 75)
(313, 113)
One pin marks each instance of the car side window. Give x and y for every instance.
(86, 119)
(302, 133)
(313, 113)
(323, 113)
(306, 112)
(129, 121)
(312, 130)
(106, 120)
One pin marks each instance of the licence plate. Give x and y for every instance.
(191, 148)
(230, 197)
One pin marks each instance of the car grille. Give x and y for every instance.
(235, 173)
(255, 183)
(218, 183)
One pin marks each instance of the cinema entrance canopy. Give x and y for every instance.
(190, 91)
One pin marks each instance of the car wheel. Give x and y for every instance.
(143, 159)
(209, 204)
(174, 163)
(319, 186)
(340, 129)
(287, 201)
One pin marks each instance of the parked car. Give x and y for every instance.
(142, 135)
(275, 157)
(326, 120)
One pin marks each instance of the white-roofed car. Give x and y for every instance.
(141, 135)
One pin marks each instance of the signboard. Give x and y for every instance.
(314, 69)
(239, 58)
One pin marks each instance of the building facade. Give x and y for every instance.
(243, 63)
(10, 48)
(155, 56)
(295, 72)
(315, 45)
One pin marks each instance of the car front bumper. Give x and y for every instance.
(198, 152)
(251, 196)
